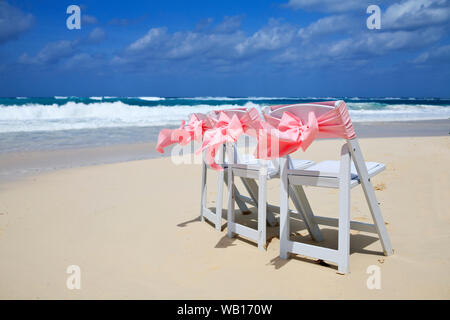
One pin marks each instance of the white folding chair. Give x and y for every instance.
(343, 175)
(249, 184)
(249, 172)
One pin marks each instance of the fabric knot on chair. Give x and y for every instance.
(288, 134)
(226, 130)
(193, 131)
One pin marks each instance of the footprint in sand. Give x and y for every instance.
(380, 187)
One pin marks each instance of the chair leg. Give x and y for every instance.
(219, 201)
(377, 217)
(230, 214)
(344, 212)
(203, 190)
(262, 210)
(284, 207)
(370, 196)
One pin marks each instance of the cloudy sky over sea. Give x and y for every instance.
(225, 48)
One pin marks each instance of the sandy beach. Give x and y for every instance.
(133, 228)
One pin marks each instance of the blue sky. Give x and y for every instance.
(225, 48)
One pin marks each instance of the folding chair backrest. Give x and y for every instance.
(240, 113)
(200, 116)
(301, 110)
(336, 124)
(190, 130)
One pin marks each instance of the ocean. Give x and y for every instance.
(62, 122)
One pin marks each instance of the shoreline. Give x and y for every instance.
(19, 164)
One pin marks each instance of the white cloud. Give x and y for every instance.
(407, 26)
(280, 43)
(87, 19)
(416, 13)
(204, 24)
(80, 60)
(376, 44)
(440, 55)
(50, 54)
(186, 44)
(97, 35)
(340, 39)
(154, 37)
(357, 49)
(272, 37)
(229, 24)
(403, 15)
(13, 22)
(389, 41)
(224, 42)
(328, 25)
(328, 5)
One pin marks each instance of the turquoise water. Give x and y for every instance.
(372, 103)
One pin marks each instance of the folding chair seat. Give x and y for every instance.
(331, 168)
(249, 162)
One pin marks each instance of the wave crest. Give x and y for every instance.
(73, 115)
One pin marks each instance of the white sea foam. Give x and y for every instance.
(60, 98)
(96, 98)
(73, 115)
(401, 112)
(207, 98)
(151, 98)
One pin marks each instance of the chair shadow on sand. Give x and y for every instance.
(184, 224)
(299, 233)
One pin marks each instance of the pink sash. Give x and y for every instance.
(228, 127)
(286, 135)
(193, 131)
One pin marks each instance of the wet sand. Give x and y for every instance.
(49, 153)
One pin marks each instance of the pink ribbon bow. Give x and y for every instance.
(226, 130)
(193, 131)
(289, 135)
(286, 135)
(292, 129)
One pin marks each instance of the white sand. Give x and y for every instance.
(133, 229)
